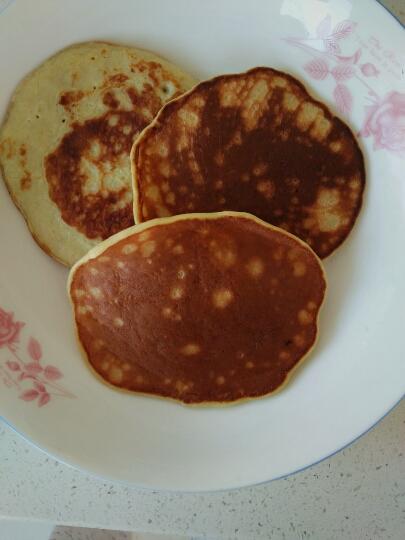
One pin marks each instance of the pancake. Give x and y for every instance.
(65, 143)
(254, 142)
(199, 308)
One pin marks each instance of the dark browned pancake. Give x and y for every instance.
(199, 307)
(254, 142)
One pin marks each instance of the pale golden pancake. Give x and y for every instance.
(65, 143)
(199, 308)
(254, 142)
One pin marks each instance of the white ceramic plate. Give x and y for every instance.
(349, 55)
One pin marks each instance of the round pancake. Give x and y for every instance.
(65, 142)
(199, 307)
(254, 142)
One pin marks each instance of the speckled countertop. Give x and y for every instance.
(357, 494)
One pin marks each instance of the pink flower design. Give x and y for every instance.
(34, 349)
(331, 45)
(342, 72)
(344, 29)
(13, 366)
(385, 118)
(33, 368)
(29, 395)
(369, 70)
(44, 398)
(318, 69)
(52, 373)
(385, 122)
(351, 59)
(9, 329)
(35, 382)
(343, 99)
(331, 37)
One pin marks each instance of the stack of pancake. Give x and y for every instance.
(237, 186)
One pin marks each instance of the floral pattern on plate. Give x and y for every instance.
(34, 381)
(384, 115)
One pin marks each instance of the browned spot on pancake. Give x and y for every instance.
(330, 211)
(69, 98)
(189, 326)
(278, 253)
(101, 211)
(267, 145)
(118, 79)
(176, 293)
(110, 100)
(266, 188)
(129, 248)
(144, 236)
(118, 322)
(26, 179)
(159, 76)
(299, 340)
(80, 171)
(260, 168)
(221, 298)
(190, 349)
(299, 269)
(335, 146)
(170, 313)
(178, 249)
(115, 375)
(304, 317)
(293, 254)
(148, 248)
(255, 267)
(255, 104)
(144, 65)
(7, 147)
(26, 182)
